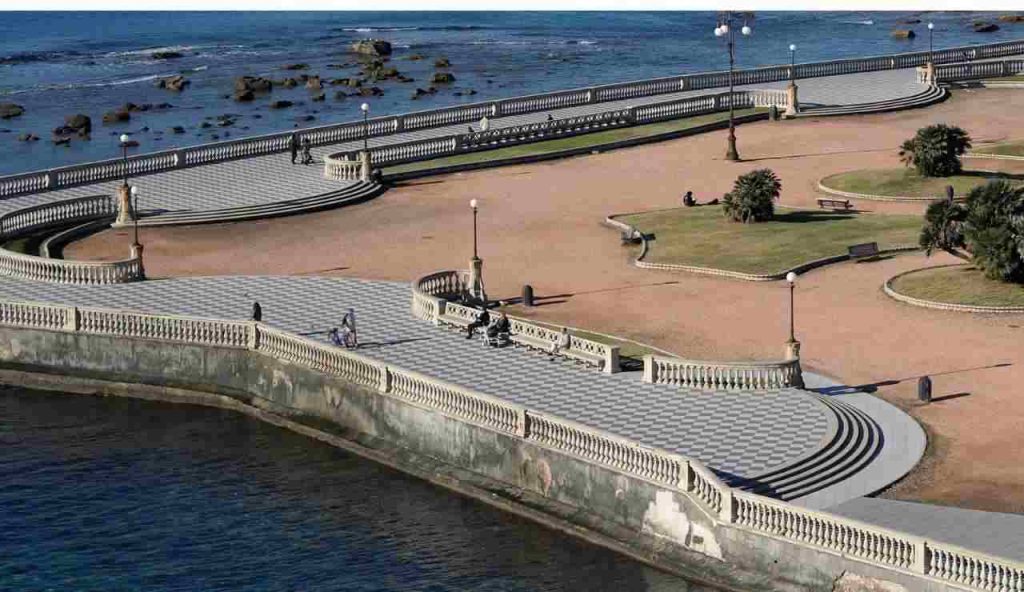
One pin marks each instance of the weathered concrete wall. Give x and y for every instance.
(629, 514)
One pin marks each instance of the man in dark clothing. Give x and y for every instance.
(307, 156)
(294, 145)
(257, 311)
(482, 320)
(688, 200)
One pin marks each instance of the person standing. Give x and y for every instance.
(348, 326)
(257, 311)
(293, 143)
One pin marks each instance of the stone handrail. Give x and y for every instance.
(44, 269)
(994, 69)
(430, 301)
(417, 150)
(874, 545)
(342, 169)
(721, 375)
(69, 176)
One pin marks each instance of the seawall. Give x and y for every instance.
(635, 516)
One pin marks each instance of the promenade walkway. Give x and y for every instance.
(272, 179)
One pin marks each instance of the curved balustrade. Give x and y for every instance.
(780, 520)
(44, 269)
(720, 375)
(342, 169)
(354, 130)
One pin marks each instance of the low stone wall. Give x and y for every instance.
(869, 197)
(892, 293)
(733, 376)
(663, 508)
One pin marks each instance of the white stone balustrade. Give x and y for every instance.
(44, 269)
(343, 169)
(720, 375)
(997, 69)
(940, 562)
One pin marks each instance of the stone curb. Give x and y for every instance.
(993, 156)
(531, 158)
(869, 197)
(892, 293)
(750, 277)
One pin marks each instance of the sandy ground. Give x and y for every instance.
(541, 225)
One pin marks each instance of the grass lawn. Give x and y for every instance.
(1005, 149)
(584, 140)
(27, 245)
(702, 236)
(959, 285)
(906, 182)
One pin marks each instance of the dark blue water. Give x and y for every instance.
(56, 64)
(111, 494)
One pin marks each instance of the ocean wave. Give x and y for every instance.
(150, 50)
(94, 84)
(867, 22)
(371, 29)
(40, 56)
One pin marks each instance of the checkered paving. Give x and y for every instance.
(741, 434)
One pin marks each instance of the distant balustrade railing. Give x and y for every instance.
(721, 375)
(772, 518)
(33, 219)
(70, 176)
(979, 70)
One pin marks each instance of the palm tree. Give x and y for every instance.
(935, 150)
(752, 197)
(944, 228)
(994, 230)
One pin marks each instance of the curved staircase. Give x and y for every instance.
(357, 192)
(932, 95)
(856, 441)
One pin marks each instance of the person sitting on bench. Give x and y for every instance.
(562, 344)
(498, 331)
(482, 320)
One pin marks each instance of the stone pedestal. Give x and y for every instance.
(135, 250)
(476, 279)
(793, 354)
(929, 73)
(793, 101)
(125, 215)
(364, 166)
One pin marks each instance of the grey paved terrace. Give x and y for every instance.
(739, 433)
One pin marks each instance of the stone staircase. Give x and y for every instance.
(354, 193)
(930, 96)
(856, 441)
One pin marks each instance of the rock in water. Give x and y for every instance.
(442, 63)
(1012, 18)
(295, 67)
(9, 110)
(116, 116)
(28, 138)
(443, 78)
(985, 27)
(314, 83)
(281, 104)
(253, 83)
(372, 47)
(244, 96)
(78, 123)
(904, 34)
(175, 83)
(166, 55)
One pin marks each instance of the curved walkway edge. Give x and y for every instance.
(869, 197)
(738, 275)
(887, 287)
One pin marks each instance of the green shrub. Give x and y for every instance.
(935, 150)
(994, 230)
(944, 228)
(753, 196)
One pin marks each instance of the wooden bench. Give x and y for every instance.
(835, 204)
(863, 250)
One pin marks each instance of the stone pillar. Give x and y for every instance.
(124, 206)
(136, 253)
(364, 168)
(476, 279)
(793, 102)
(793, 354)
(929, 73)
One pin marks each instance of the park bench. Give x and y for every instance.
(835, 204)
(863, 250)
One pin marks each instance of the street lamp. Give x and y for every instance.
(791, 280)
(792, 63)
(727, 22)
(931, 27)
(366, 126)
(472, 204)
(135, 213)
(125, 138)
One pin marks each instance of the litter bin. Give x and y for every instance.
(924, 389)
(527, 295)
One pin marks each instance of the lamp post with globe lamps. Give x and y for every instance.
(793, 346)
(476, 265)
(727, 22)
(365, 157)
(930, 68)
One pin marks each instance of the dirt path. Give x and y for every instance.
(541, 224)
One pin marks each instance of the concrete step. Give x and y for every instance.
(929, 97)
(354, 193)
